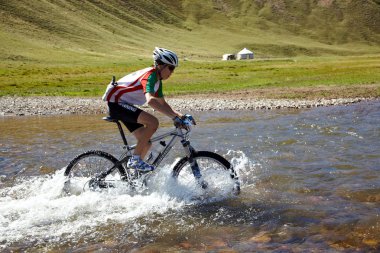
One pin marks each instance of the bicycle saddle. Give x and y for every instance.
(109, 119)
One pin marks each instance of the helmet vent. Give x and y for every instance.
(162, 55)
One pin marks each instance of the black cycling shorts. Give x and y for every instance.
(126, 113)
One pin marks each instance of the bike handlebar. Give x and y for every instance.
(185, 122)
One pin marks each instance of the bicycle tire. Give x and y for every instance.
(88, 165)
(215, 169)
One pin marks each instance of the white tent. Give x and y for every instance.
(245, 54)
(227, 57)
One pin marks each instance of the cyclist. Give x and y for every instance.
(138, 88)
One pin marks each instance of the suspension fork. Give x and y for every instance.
(190, 151)
(190, 154)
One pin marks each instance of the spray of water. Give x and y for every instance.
(37, 209)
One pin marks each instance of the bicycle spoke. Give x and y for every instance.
(215, 177)
(85, 168)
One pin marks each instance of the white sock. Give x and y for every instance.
(136, 157)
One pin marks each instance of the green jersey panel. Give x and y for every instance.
(153, 85)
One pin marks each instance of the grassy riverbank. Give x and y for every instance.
(288, 76)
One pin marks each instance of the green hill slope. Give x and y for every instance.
(72, 47)
(63, 31)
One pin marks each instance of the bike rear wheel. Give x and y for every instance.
(218, 178)
(88, 166)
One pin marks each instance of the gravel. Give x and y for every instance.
(24, 106)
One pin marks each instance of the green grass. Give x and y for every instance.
(304, 72)
(193, 77)
(72, 48)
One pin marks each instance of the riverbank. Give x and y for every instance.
(25, 106)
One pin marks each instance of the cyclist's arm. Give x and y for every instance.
(160, 104)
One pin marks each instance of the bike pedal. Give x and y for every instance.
(104, 185)
(97, 184)
(203, 184)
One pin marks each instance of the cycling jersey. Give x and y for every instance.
(132, 88)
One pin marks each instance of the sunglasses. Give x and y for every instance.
(171, 68)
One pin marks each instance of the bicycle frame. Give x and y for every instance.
(176, 134)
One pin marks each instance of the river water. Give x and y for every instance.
(310, 181)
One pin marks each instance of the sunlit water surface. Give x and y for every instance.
(310, 181)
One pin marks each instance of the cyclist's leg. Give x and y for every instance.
(142, 124)
(143, 134)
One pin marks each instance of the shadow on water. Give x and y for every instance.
(310, 180)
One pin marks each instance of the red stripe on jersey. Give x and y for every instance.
(113, 92)
(144, 79)
(125, 90)
(123, 87)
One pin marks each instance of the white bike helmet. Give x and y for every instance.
(165, 56)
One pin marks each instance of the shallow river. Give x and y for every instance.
(310, 181)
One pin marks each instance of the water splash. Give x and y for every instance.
(36, 209)
(246, 168)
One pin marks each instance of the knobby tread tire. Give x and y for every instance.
(90, 153)
(207, 154)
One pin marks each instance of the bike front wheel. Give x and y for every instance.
(216, 175)
(87, 170)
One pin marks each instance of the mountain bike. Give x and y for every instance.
(202, 170)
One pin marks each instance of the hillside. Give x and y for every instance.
(76, 31)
